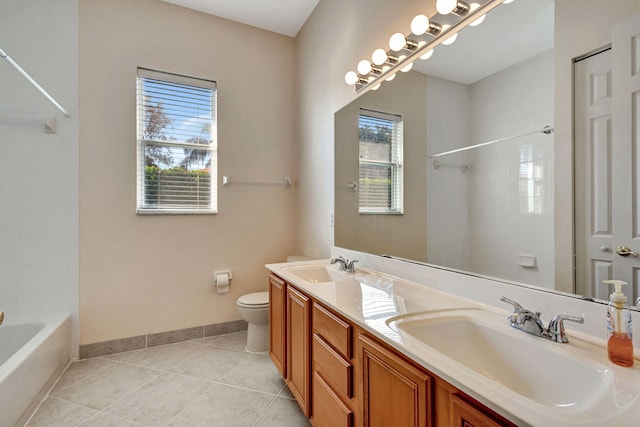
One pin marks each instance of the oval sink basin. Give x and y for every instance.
(525, 364)
(317, 273)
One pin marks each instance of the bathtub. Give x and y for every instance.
(32, 355)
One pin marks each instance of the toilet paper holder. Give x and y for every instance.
(218, 273)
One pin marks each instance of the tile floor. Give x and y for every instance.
(205, 382)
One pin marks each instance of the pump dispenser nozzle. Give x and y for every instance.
(617, 297)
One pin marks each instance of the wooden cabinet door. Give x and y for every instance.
(298, 346)
(277, 325)
(395, 393)
(465, 415)
(328, 408)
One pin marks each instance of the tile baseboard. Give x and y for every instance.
(161, 338)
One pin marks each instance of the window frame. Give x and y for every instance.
(141, 143)
(396, 164)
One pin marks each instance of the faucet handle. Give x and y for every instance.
(516, 306)
(341, 261)
(351, 266)
(556, 327)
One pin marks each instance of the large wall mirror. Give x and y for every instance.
(504, 210)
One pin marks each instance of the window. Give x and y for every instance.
(532, 179)
(380, 182)
(177, 142)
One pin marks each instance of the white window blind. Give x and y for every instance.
(177, 143)
(532, 179)
(381, 178)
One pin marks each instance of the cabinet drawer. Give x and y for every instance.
(334, 330)
(338, 372)
(329, 410)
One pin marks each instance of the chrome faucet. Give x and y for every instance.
(525, 320)
(344, 264)
(556, 331)
(530, 322)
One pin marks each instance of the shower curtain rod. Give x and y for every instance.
(33, 82)
(547, 130)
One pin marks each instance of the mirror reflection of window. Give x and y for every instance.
(532, 179)
(380, 163)
(379, 305)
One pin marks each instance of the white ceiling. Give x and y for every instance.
(281, 16)
(510, 34)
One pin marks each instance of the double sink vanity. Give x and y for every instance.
(368, 348)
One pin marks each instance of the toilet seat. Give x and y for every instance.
(254, 300)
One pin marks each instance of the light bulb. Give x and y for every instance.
(419, 25)
(451, 39)
(379, 56)
(507, 1)
(391, 77)
(351, 78)
(407, 68)
(472, 7)
(376, 87)
(444, 7)
(397, 42)
(428, 54)
(364, 67)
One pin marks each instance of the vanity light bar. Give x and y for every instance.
(405, 49)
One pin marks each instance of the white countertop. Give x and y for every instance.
(370, 299)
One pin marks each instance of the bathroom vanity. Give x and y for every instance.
(368, 348)
(342, 376)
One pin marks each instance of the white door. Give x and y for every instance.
(607, 164)
(592, 160)
(625, 156)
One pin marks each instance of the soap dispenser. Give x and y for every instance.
(619, 344)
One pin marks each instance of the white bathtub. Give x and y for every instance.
(32, 355)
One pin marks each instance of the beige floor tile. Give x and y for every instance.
(255, 372)
(107, 420)
(60, 413)
(160, 400)
(107, 386)
(224, 406)
(163, 356)
(148, 387)
(233, 341)
(283, 413)
(209, 363)
(80, 370)
(285, 392)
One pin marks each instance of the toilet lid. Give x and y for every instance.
(255, 299)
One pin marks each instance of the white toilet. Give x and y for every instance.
(254, 308)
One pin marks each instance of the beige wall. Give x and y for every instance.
(145, 274)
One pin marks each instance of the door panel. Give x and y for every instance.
(593, 189)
